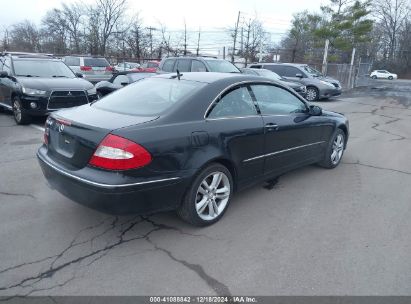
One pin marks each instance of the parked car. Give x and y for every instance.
(35, 85)
(383, 74)
(118, 81)
(186, 142)
(318, 85)
(126, 66)
(94, 69)
(197, 64)
(296, 86)
(149, 67)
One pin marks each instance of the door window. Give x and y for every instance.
(273, 100)
(235, 103)
(291, 72)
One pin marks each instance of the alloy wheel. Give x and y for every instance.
(311, 94)
(212, 196)
(17, 110)
(337, 149)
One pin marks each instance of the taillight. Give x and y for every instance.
(109, 68)
(118, 153)
(85, 68)
(46, 135)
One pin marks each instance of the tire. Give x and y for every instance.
(201, 206)
(337, 146)
(390, 78)
(20, 117)
(374, 77)
(312, 94)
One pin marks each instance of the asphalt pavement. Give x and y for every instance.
(345, 231)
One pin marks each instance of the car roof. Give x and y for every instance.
(211, 77)
(132, 72)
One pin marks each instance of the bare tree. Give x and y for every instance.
(54, 32)
(255, 38)
(392, 16)
(25, 37)
(103, 17)
(73, 21)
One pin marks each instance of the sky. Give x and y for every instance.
(210, 15)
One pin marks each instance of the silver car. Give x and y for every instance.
(94, 69)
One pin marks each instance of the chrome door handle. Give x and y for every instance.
(271, 126)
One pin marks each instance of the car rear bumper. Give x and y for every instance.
(139, 197)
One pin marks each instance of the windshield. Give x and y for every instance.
(269, 74)
(312, 71)
(148, 97)
(42, 68)
(222, 66)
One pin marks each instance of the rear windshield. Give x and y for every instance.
(96, 62)
(42, 68)
(222, 66)
(148, 97)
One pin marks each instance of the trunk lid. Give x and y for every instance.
(74, 134)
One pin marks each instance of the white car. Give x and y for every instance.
(126, 66)
(377, 74)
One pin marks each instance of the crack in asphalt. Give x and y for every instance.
(17, 194)
(219, 288)
(95, 255)
(375, 127)
(376, 167)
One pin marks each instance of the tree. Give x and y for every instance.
(54, 31)
(25, 37)
(392, 15)
(73, 21)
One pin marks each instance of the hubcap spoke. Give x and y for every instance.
(201, 205)
(216, 180)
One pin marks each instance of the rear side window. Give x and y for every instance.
(148, 97)
(198, 66)
(236, 103)
(275, 68)
(183, 65)
(152, 65)
(96, 62)
(72, 61)
(168, 65)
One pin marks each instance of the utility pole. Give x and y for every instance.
(223, 52)
(350, 83)
(235, 36)
(185, 38)
(324, 69)
(198, 41)
(260, 57)
(151, 29)
(242, 40)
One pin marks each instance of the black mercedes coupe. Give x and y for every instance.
(185, 142)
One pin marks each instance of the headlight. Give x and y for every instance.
(92, 91)
(29, 91)
(327, 83)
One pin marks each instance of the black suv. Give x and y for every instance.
(35, 85)
(196, 64)
(318, 86)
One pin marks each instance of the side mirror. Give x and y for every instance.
(315, 110)
(4, 74)
(124, 84)
(299, 75)
(79, 75)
